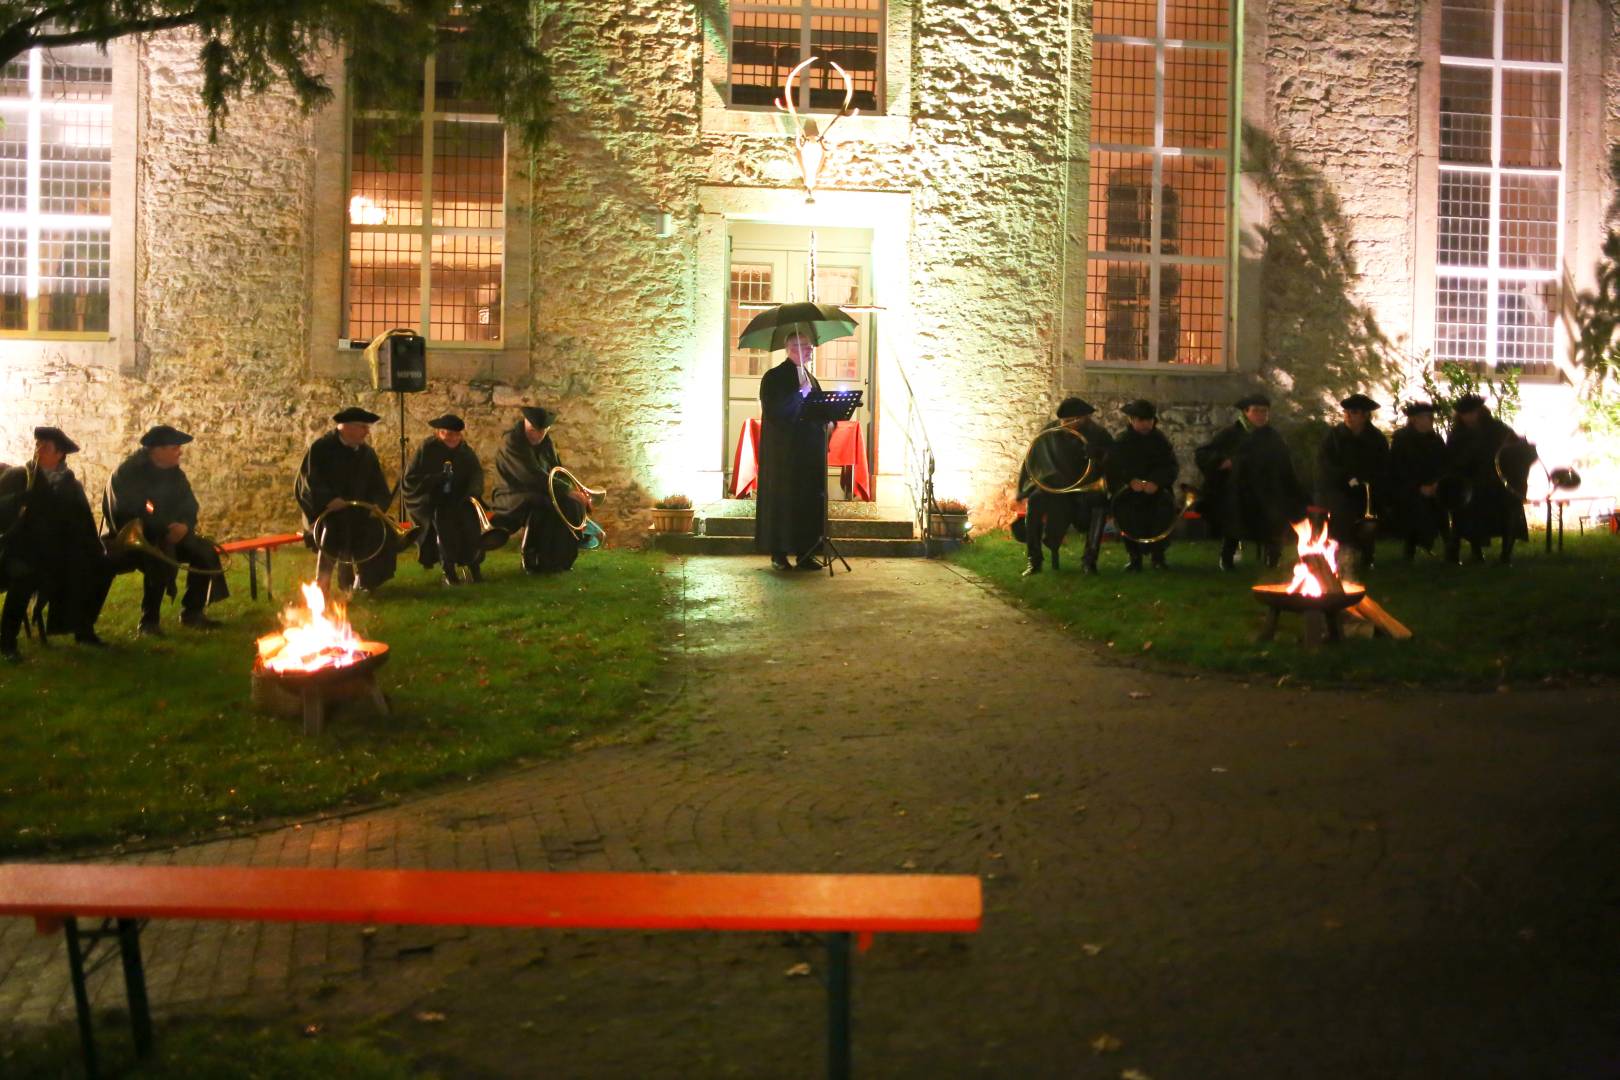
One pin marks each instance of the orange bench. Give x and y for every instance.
(252, 548)
(57, 895)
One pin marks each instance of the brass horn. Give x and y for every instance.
(490, 536)
(131, 539)
(400, 533)
(1091, 478)
(562, 473)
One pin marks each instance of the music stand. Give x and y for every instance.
(827, 407)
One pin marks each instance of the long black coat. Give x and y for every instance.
(440, 502)
(792, 466)
(138, 489)
(522, 498)
(1343, 457)
(1143, 457)
(1417, 459)
(1491, 509)
(49, 546)
(1260, 496)
(331, 470)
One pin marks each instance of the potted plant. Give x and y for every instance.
(672, 514)
(950, 519)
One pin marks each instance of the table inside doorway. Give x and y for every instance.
(846, 448)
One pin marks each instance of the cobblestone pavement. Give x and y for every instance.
(1229, 880)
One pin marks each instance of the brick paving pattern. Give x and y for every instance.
(1230, 880)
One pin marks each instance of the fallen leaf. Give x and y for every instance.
(1138, 695)
(311, 1030)
(1134, 1074)
(1217, 768)
(797, 971)
(909, 864)
(1033, 796)
(1091, 948)
(1332, 922)
(430, 1017)
(1106, 1043)
(1146, 645)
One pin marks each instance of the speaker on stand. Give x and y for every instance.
(398, 362)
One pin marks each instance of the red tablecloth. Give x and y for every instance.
(846, 449)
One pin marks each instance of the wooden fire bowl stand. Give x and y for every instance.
(1323, 615)
(289, 693)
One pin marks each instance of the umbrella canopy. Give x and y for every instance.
(771, 328)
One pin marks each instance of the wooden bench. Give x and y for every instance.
(57, 895)
(251, 548)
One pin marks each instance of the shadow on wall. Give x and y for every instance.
(1320, 342)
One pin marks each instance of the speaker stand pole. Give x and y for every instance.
(404, 446)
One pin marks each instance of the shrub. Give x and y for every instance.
(673, 502)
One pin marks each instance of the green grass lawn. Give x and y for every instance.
(157, 739)
(1547, 617)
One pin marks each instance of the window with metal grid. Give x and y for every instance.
(1500, 234)
(768, 39)
(427, 215)
(56, 193)
(1161, 153)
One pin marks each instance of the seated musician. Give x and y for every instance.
(1053, 464)
(1251, 491)
(1417, 469)
(1487, 456)
(525, 497)
(49, 547)
(1352, 468)
(1142, 472)
(340, 469)
(150, 487)
(441, 482)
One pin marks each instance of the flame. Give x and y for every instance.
(311, 639)
(1312, 542)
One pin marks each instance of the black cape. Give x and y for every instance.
(1143, 457)
(1417, 459)
(49, 547)
(792, 467)
(438, 487)
(138, 489)
(1260, 496)
(1488, 508)
(331, 470)
(1343, 457)
(522, 498)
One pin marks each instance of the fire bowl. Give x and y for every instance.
(1279, 598)
(376, 656)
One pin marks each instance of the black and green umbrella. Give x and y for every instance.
(771, 328)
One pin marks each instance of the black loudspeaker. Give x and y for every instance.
(398, 361)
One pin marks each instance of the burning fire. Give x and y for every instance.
(311, 639)
(1312, 542)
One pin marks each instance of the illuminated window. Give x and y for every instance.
(55, 192)
(1161, 151)
(769, 39)
(1500, 232)
(439, 273)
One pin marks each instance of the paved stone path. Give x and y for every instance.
(1228, 880)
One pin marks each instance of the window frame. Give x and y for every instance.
(33, 221)
(426, 230)
(1161, 43)
(807, 11)
(1493, 273)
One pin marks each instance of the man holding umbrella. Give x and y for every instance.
(790, 508)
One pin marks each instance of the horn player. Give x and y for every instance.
(523, 495)
(340, 468)
(150, 487)
(1352, 472)
(441, 481)
(1142, 471)
(49, 547)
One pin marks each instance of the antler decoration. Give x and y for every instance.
(810, 145)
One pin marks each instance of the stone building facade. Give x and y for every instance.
(963, 206)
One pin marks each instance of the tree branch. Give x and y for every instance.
(12, 44)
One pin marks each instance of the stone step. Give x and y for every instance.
(837, 528)
(851, 548)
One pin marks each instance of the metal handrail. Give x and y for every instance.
(919, 454)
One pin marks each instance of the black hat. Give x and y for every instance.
(1468, 403)
(448, 422)
(1073, 406)
(1140, 409)
(56, 435)
(1360, 403)
(539, 416)
(164, 435)
(1251, 400)
(1416, 408)
(354, 414)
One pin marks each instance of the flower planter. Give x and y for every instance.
(949, 526)
(672, 521)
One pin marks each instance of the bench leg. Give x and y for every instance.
(838, 980)
(140, 1013)
(269, 585)
(253, 575)
(81, 996)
